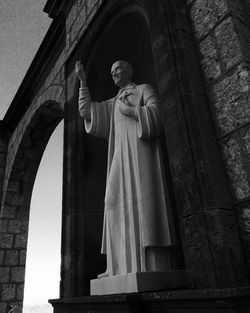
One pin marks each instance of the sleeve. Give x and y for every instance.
(96, 114)
(149, 125)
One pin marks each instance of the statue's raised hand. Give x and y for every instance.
(80, 72)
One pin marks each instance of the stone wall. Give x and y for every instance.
(24, 151)
(78, 19)
(222, 33)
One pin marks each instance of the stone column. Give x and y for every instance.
(211, 242)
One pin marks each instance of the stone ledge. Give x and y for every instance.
(231, 300)
(138, 282)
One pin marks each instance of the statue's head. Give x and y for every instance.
(122, 73)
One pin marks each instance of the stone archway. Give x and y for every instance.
(25, 151)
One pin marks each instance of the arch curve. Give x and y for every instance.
(25, 153)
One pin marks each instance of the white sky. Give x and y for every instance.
(23, 25)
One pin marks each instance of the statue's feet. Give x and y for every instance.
(103, 275)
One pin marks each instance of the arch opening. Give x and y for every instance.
(43, 250)
(25, 154)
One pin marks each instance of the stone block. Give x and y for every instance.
(11, 257)
(206, 14)
(21, 241)
(227, 41)
(243, 215)
(20, 292)
(210, 58)
(13, 186)
(15, 226)
(3, 307)
(14, 198)
(22, 260)
(4, 274)
(3, 226)
(9, 211)
(6, 241)
(246, 140)
(1, 257)
(242, 32)
(8, 292)
(198, 260)
(226, 248)
(230, 100)
(235, 168)
(17, 274)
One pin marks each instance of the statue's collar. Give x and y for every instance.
(129, 86)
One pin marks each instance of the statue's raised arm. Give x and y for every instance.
(84, 96)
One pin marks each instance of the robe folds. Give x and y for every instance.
(137, 210)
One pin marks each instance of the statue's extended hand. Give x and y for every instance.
(80, 72)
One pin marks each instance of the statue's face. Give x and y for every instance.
(121, 74)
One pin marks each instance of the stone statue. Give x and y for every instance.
(137, 227)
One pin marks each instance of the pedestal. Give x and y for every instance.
(138, 282)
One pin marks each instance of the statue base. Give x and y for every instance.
(138, 282)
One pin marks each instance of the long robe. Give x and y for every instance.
(137, 211)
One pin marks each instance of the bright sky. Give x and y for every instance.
(23, 25)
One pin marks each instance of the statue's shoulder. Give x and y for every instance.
(144, 87)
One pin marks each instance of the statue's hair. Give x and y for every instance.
(128, 66)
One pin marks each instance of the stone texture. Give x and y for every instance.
(235, 168)
(11, 257)
(3, 226)
(17, 274)
(8, 292)
(4, 274)
(20, 292)
(246, 139)
(3, 307)
(9, 211)
(1, 257)
(228, 44)
(210, 58)
(206, 14)
(21, 241)
(16, 226)
(22, 257)
(224, 244)
(6, 241)
(229, 99)
(198, 260)
(244, 223)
